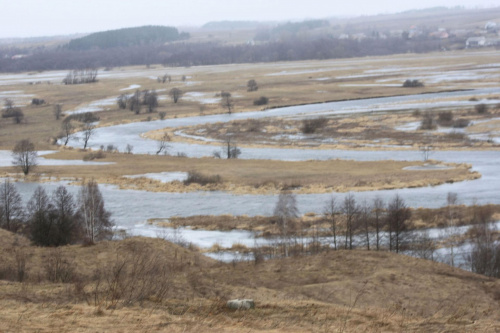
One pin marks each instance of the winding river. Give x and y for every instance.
(132, 208)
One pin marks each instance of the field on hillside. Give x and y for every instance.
(338, 291)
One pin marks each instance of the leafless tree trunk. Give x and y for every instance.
(365, 219)
(350, 211)
(286, 211)
(451, 231)
(11, 207)
(227, 101)
(57, 111)
(67, 130)
(230, 149)
(398, 215)
(378, 209)
(96, 220)
(88, 131)
(330, 211)
(134, 102)
(163, 144)
(426, 152)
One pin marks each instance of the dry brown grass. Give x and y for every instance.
(338, 291)
(362, 131)
(253, 176)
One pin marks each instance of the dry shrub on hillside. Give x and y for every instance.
(94, 156)
(137, 275)
(58, 268)
(195, 177)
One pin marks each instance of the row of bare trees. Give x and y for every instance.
(376, 225)
(87, 75)
(379, 225)
(58, 219)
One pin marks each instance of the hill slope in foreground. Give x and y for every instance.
(142, 284)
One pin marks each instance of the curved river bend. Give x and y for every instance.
(130, 207)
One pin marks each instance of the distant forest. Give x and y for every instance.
(127, 37)
(213, 53)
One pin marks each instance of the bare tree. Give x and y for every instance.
(129, 148)
(350, 210)
(10, 111)
(485, 255)
(252, 85)
(41, 218)
(57, 111)
(24, 156)
(122, 101)
(67, 130)
(134, 102)
(151, 99)
(88, 131)
(163, 144)
(227, 101)
(450, 232)
(286, 212)
(365, 221)
(230, 150)
(8, 104)
(96, 220)
(11, 207)
(378, 210)
(398, 215)
(66, 220)
(87, 75)
(176, 94)
(426, 152)
(165, 78)
(330, 212)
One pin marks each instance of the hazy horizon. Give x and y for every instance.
(33, 18)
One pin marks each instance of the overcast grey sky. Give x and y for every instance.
(29, 18)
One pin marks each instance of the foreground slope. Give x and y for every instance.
(330, 292)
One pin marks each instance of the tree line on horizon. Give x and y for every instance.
(211, 53)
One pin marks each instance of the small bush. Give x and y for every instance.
(310, 126)
(111, 148)
(162, 114)
(445, 116)
(481, 108)
(461, 123)
(37, 101)
(254, 125)
(456, 136)
(59, 269)
(195, 177)
(252, 85)
(412, 84)
(263, 100)
(94, 156)
(428, 122)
